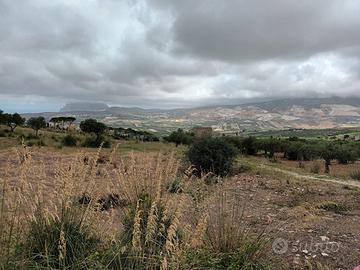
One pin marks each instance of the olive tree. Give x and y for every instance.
(36, 123)
(12, 120)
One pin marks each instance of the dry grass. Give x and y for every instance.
(29, 186)
(50, 209)
(43, 225)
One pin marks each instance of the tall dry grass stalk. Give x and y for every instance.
(60, 198)
(42, 182)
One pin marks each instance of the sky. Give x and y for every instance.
(172, 53)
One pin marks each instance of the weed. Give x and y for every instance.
(60, 243)
(338, 208)
(175, 186)
(355, 175)
(150, 238)
(222, 242)
(315, 168)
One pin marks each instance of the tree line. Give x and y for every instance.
(88, 126)
(292, 148)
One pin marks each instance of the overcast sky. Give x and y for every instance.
(175, 53)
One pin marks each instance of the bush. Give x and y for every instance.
(69, 140)
(96, 142)
(59, 243)
(30, 143)
(212, 155)
(40, 143)
(244, 258)
(2, 134)
(338, 208)
(345, 155)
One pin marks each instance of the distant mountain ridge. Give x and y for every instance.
(303, 113)
(84, 106)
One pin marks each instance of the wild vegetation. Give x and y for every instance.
(66, 229)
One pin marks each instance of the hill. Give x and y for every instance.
(318, 113)
(84, 106)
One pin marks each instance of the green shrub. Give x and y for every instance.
(96, 142)
(69, 140)
(212, 155)
(2, 133)
(59, 243)
(40, 143)
(244, 258)
(30, 143)
(345, 154)
(334, 207)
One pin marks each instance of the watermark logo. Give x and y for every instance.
(280, 246)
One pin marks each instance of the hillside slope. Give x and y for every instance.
(277, 114)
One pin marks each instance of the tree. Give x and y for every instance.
(270, 146)
(60, 121)
(93, 126)
(36, 123)
(70, 120)
(249, 146)
(327, 152)
(345, 154)
(213, 155)
(12, 120)
(2, 118)
(180, 137)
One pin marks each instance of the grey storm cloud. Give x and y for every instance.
(170, 53)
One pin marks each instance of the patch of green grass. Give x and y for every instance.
(59, 243)
(244, 258)
(335, 207)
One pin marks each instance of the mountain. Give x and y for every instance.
(301, 113)
(84, 106)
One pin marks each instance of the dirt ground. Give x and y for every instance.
(336, 169)
(305, 221)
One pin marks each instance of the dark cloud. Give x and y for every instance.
(234, 30)
(169, 53)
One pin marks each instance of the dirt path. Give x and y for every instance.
(311, 177)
